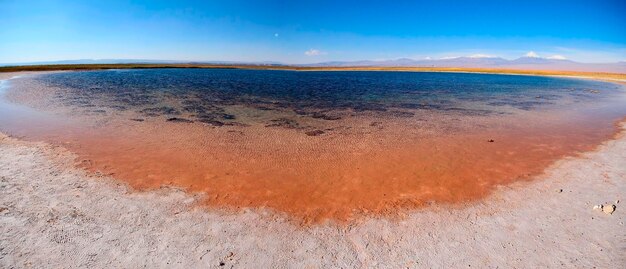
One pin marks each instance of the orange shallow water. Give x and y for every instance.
(337, 176)
(362, 165)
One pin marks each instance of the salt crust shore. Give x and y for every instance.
(54, 215)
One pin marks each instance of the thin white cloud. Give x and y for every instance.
(532, 54)
(480, 56)
(557, 57)
(607, 55)
(314, 52)
(473, 56)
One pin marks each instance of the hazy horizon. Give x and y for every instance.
(131, 60)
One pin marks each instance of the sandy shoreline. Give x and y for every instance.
(54, 215)
(336, 175)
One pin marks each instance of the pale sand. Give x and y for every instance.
(53, 215)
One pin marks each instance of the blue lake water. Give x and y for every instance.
(202, 94)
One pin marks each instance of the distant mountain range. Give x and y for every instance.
(135, 61)
(523, 63)
(92, 61)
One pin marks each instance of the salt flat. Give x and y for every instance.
(54, 215)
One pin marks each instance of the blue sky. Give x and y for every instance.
(309, 31)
